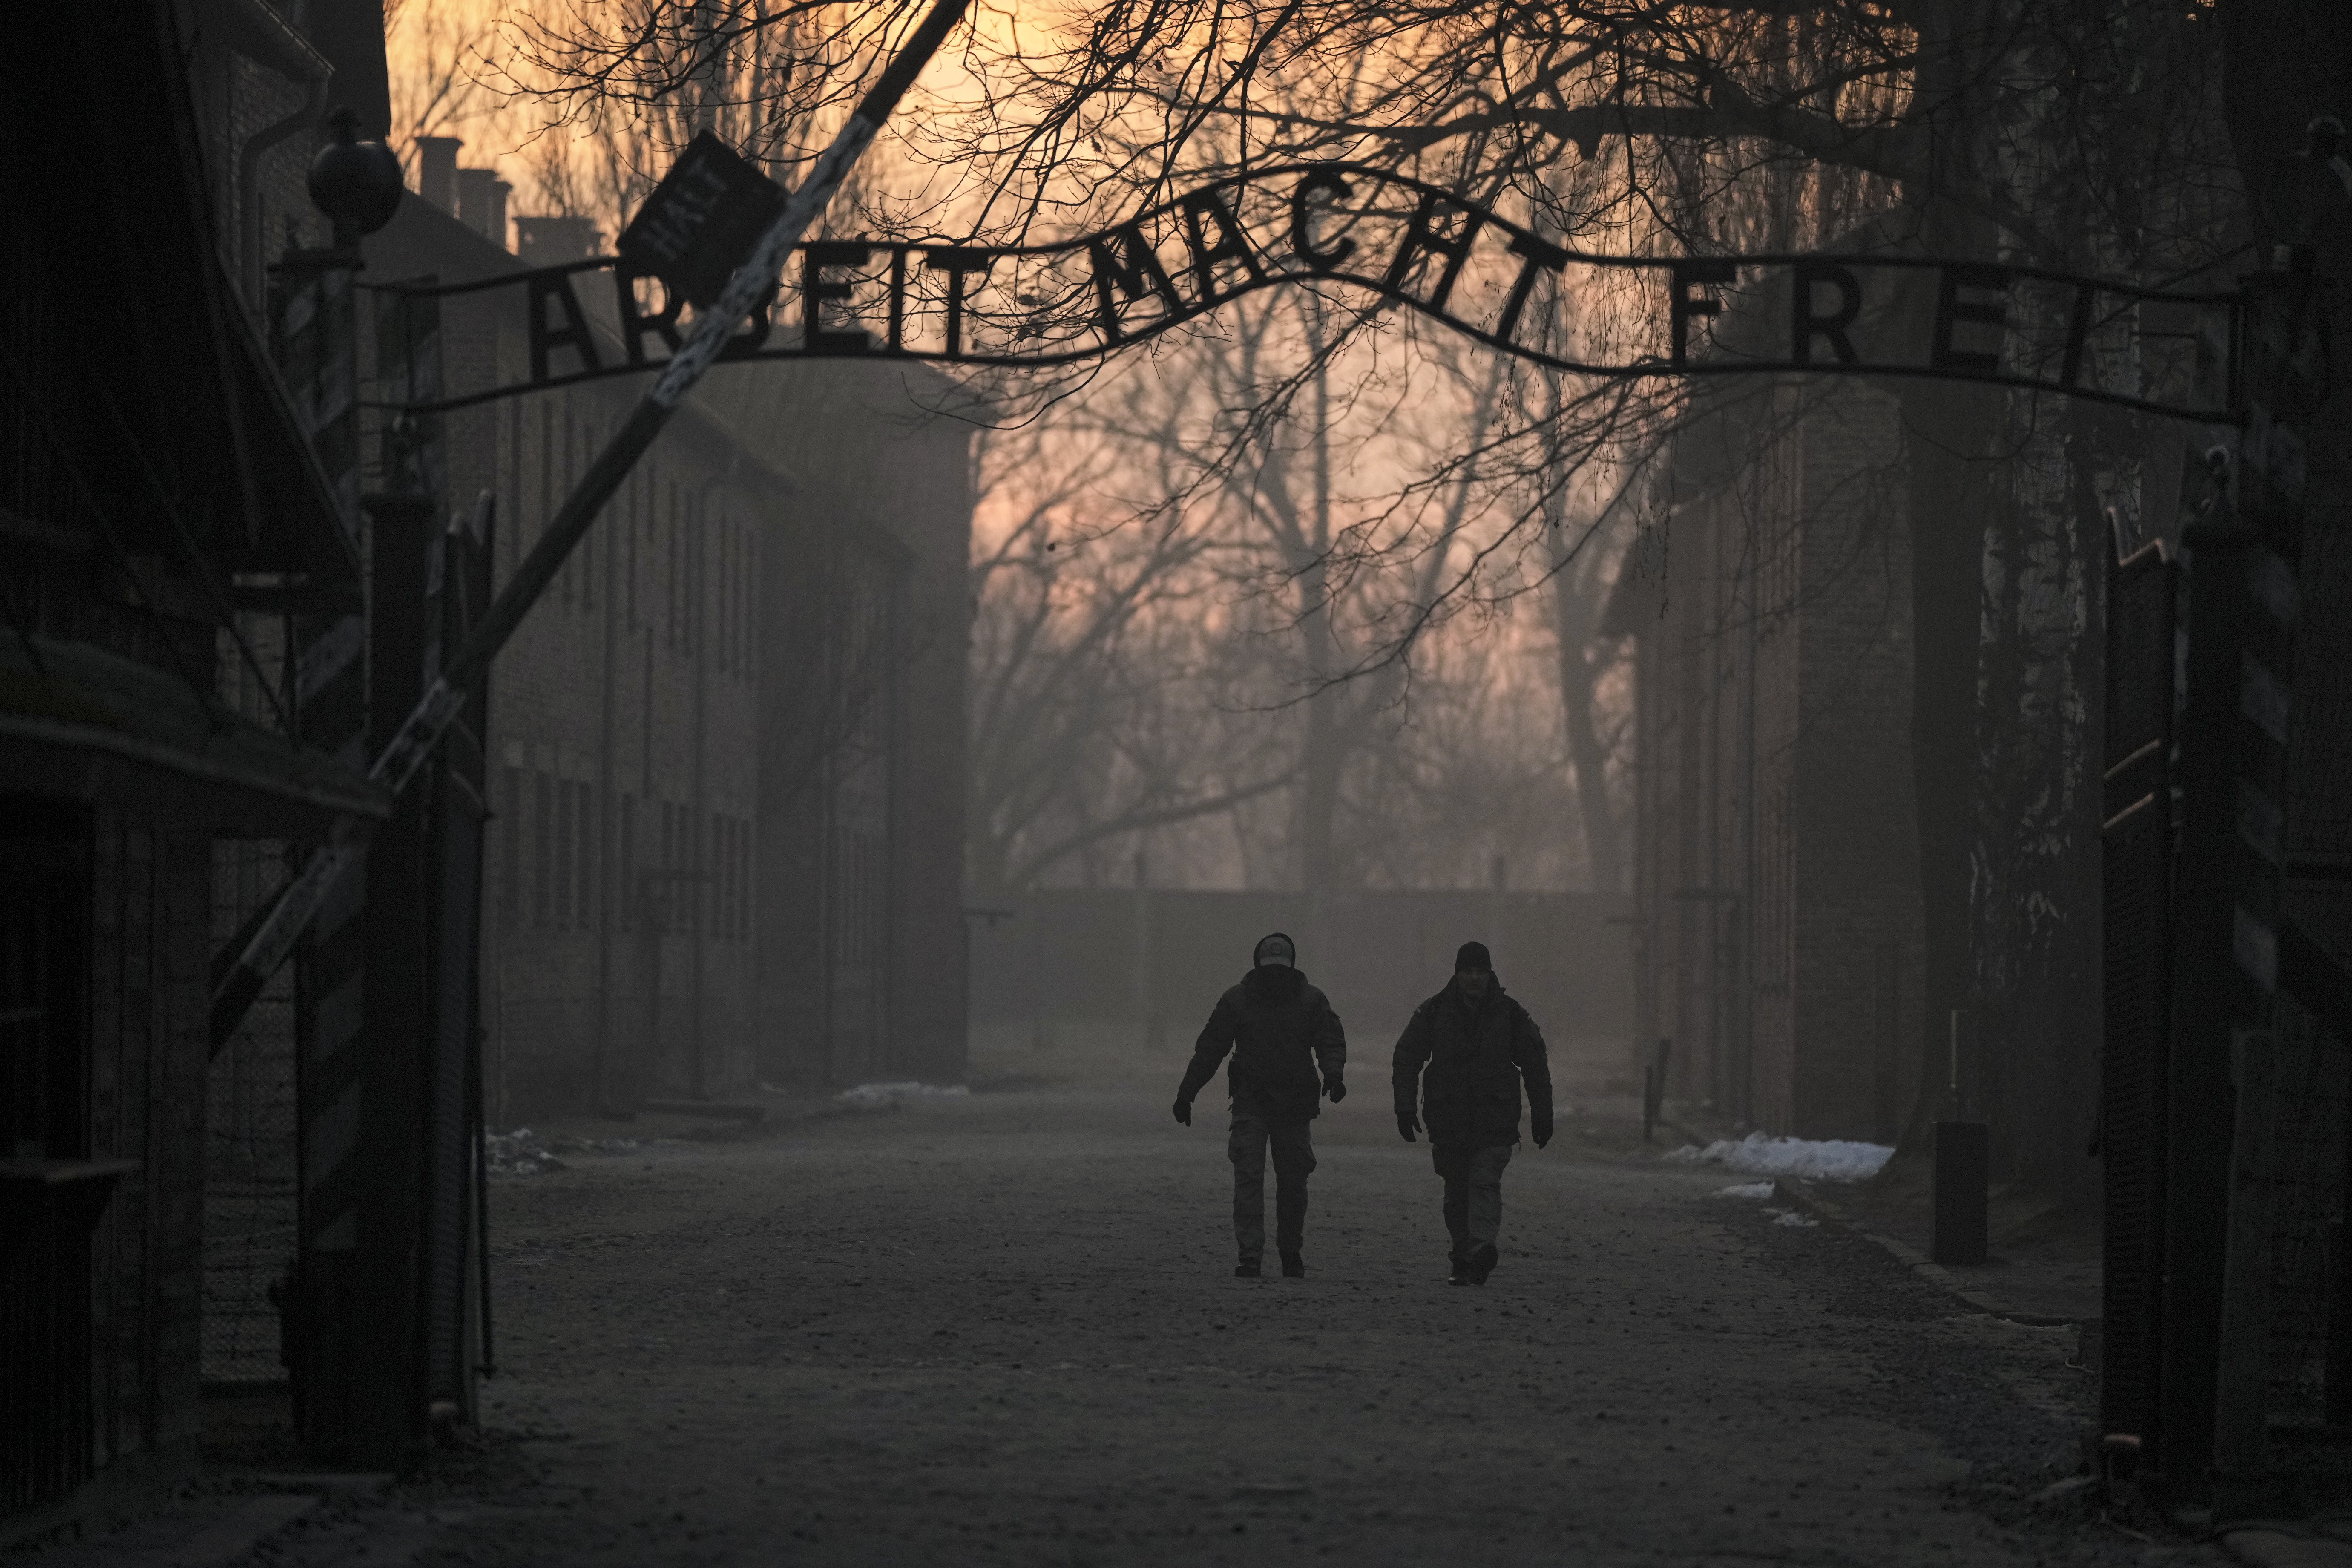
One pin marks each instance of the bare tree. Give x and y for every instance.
(441, 86)
(2080, 134)
(1089, 717)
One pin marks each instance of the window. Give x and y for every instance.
(716, 546)
(587, 852)
(585, 550)
(639, 483)
(510, 848)
(688, 559)
(626, 865)
(674, 581)
(512, 415)
(751, 876)
(546, 462)
(565, 841)
(746, 836)
(569, 573)
(750, 603)
(542, 860)
(730, 589)
(724, 921)
(730, 602)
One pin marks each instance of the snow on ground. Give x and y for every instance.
(1744, 1190)
(883, 1095)
(522, 1152)
(1826, 1159)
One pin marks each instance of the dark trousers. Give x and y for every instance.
(1294, 1161)
(1474, 1193)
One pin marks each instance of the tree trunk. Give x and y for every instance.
(1573, 619)
(1948, 438)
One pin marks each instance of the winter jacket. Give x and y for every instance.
(1465, 1061)
(1280, 1030)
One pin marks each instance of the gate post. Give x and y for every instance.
(2245, 553)
(361, 1282)
(2135, 893)
(386, 1375)
(316, 339)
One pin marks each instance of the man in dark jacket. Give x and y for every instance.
(1462, 1060)
(1283, 1038)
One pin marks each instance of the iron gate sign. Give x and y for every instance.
(701, 221)
(1416, 246)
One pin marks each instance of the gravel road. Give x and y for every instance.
(1003, 1330)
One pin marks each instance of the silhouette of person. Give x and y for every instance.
(1460, 1062)
(1283, 1038)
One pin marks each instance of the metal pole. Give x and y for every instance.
(414, 740)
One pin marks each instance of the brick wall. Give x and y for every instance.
(1859, 951)
(149, 954)
(1777, 855)
(881, 469)
(670, 909)
(623, 724)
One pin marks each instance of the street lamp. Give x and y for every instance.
(356, 184)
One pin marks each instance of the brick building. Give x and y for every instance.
(726, 750)
(226, 577)
(162, 513)
(1779, 944)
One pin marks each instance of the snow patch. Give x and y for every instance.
(598, 1145)
(520, 1153)
(885, 1096)
(1824, 1160)
(1744, 1190)
(1792, 1219)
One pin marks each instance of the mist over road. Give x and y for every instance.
(1004, 1329)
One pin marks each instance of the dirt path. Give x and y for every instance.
(1003, 1330)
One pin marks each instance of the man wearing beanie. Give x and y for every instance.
(1460, 1063)
(1288, 1052)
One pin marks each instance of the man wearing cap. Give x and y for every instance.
(1460, 1063)
(1288, 1052)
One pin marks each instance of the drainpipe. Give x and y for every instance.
(252, 29)
(248, 173)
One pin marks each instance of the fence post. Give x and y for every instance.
(1963, 1169)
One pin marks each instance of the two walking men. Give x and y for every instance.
(1457, 1072)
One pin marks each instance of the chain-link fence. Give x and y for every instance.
(2315, 1101)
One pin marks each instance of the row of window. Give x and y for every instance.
(693, 871)
(708, 566)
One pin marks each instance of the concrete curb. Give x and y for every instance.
(1936, 1274)
(2286, 1546)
